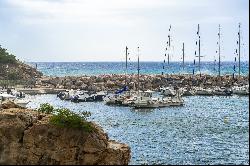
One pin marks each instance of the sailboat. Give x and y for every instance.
(122, 94)
(239, 90)
(167, 91)
(220, 91)
(147, 100)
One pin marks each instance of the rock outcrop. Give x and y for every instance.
(8, 104)
(26, 137)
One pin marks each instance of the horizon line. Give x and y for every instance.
(117, 61)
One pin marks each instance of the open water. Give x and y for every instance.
(98, 68)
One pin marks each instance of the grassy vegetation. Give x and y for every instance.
(6, 57)
(63, 117)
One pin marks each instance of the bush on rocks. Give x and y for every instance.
(63, 117)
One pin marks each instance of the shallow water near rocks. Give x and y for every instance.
(206, 130)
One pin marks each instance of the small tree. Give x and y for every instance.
(5, 57)
(46, 108)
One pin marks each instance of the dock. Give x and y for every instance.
(37, 91)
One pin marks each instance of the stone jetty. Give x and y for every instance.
(153, 82)
(27, 137)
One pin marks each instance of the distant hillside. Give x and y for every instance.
(13, 69)
(5, 57)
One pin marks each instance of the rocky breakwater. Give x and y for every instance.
(153, 82)
(27, 137)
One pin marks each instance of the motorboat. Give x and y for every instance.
(146, 100)
(167, 91)
(99, 96)
(14, 92)
(20, 102)
(129, 100)
(4, 96)
(222, 91)
(85, 96)
(67, 95)
(203, 91)
(80, 96)
(118, 97)
(184, 91)
(241, 90)
(18, 94)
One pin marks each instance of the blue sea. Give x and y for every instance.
(99, 68)
(205, 131)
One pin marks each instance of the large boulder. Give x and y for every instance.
(27, 137)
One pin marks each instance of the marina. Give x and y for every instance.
(124, 82)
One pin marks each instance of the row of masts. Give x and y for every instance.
(198, 43)
(199, 56)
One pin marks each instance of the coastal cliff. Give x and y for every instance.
(27, 137)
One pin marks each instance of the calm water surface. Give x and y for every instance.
(206, 130)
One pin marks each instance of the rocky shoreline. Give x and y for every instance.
(153, 82)
(26, 137)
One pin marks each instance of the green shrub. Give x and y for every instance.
(67, 118)
(63, 117)
(46, 108)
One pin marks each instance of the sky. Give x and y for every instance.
(99, 30)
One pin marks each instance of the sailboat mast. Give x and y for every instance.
(239, 48)
(199, 48)
(169, 45)
(214, 64)
(183, 54)
(126, 66)
(138, 68)
(219, 50)
(168, 59)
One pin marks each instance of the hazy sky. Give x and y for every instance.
(99, 30)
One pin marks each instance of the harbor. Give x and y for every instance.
(151, 111)
(125, 82)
